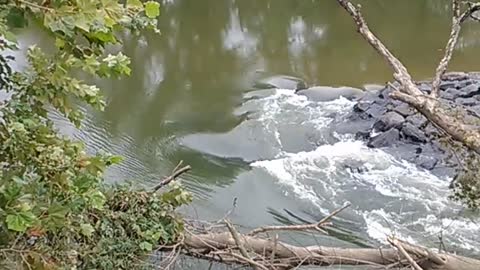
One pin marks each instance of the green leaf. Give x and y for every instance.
(86, 229)
(97, 199)
(21, 221)
(115, 159)
(59, 43)
(152, 9)
(82, 22)
(134, 3)
(146, 246)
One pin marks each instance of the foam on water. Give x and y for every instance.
(387, 195)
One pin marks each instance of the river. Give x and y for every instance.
(190, 98)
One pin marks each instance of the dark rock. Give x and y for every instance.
(463, 83)
(370, 96)
(376, 110)
(452, 92)
(388, 121)
(413, 133)
(467, 101)
(470, 91)
(426, 162)
(362, 106)
(431, 131)
(446, 95)
(385, 93)
(448, 84)
(387, 138)
(475, 110)
(362, 135)
(404, 109)
(424, 87)
(417, 120)
(353, 127)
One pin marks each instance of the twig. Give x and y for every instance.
(253, 263)
(399, 246)
(457, 20)
(176, 173)
(314, 226)
(230, 211)
(34, 5)
(274, 249)
(242, 249)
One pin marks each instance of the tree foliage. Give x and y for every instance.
(55, 211)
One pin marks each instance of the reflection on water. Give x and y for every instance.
(191, 79)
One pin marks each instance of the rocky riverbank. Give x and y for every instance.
(395, 127)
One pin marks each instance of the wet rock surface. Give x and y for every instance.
(395, 127)
(281, 82)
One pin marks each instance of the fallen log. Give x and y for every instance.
(220, 246)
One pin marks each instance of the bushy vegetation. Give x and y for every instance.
(55, 210)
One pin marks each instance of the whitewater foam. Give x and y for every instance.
(391, 196)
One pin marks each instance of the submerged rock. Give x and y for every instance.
(327, 93)
(281, 82)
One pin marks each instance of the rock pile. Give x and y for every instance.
(390, 124)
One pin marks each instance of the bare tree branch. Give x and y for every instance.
(457, 19)
(409, 93)
(176, 173)
(305, 227)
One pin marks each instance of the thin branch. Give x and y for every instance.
(457, 19)
(314, 226)
(399, 246)
(33, 5)
(176, 173)
(242, 249)
(452, 41)
(253, 263)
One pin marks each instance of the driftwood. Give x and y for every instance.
(428, 105)
(232, 247)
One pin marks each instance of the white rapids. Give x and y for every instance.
(388, 196)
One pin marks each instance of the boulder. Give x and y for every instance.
(388, 121)
(467, 101)
(413, 133)
(385, 139)
(426, 162)
(451, 92)
(470, 91)
(362, 106)
(404, 109)
(417, 120)
(327, 93)
(375, 110)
